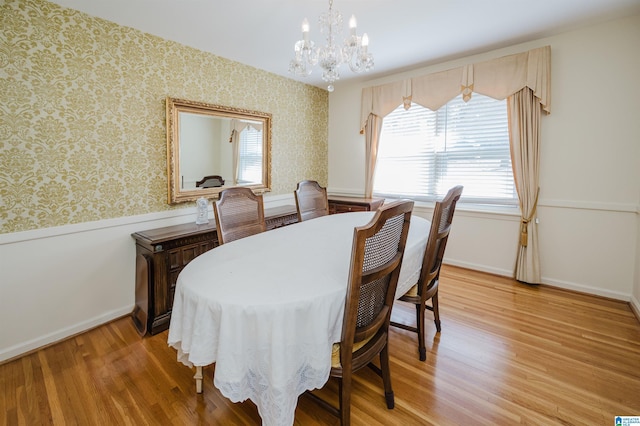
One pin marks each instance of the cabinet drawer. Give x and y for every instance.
(181, 256)
(277, 222)
(353, 204)
(345, 208)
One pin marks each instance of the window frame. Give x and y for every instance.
(446, 153)
(244, 156)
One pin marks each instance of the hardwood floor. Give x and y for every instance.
(508, 354)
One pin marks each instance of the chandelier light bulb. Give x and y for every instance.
(305, 30)
(353, 25)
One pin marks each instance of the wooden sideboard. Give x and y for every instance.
(163, 252)
(339, 204)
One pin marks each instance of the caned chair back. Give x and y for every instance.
(438, 237)
(376, 258)
(378, 248)
(427, 286)
(311, 200)
(238, 213)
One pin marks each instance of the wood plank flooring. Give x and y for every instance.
(508, 354)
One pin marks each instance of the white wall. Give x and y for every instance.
(590, 165)
(201, 156)
(57, 282)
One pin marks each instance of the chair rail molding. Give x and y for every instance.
(168, 218)
(590, 205)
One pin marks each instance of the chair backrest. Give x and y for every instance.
(376, 257)
(212, 181)
(311, 200)
(238, 213)
(438, 237)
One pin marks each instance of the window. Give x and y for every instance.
(423, 153)
(250, 162)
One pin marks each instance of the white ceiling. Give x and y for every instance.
(403, 33)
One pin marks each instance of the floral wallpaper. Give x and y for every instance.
(82, 116)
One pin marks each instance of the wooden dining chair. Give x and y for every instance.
(311, 200)
(212, 181)
(238, 213)
(376, 256)
(427, 286)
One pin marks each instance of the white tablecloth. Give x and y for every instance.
(267, 309)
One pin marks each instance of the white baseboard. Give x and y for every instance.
(586, 289)
(552, 282)
(62, 334)
(635, 307)
(478, 267)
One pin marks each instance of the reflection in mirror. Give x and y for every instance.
(228, 148)
(211, 147)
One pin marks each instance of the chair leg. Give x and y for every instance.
(436, 312)
(422, 349)
(344, 389)
(386, 377)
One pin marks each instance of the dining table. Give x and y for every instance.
(266, 309)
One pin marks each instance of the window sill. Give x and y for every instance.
(477, 210)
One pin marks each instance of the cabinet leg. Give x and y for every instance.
(198, 378)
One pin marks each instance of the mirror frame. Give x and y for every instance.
(174, 107)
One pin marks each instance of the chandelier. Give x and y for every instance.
(353, 50)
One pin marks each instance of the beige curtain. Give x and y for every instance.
(372, 137)
(524, 137)
(382, 100)
(527, 72)
(234, 140)
(435, 90)
(378, 102)
(497, 78)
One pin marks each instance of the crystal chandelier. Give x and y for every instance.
(353, 50)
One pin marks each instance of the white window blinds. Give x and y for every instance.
(250, 162)
(423, 153)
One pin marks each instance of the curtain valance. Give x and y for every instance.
(238, 126)
(497, 78)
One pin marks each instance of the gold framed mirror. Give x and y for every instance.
(214, 147)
